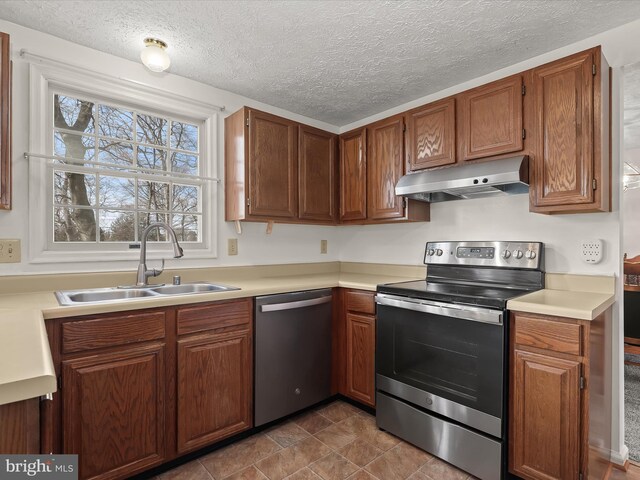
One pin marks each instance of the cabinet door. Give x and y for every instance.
(114, 411)
(491, 119)
(317, 175)
(431, 135)
(563, 160)
(272, 166)
(5, 123)
(215, 375)
(385, 166)
(545, 417)
(353, 176)
(361, 345)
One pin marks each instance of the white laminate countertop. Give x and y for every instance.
(26, 367)
(563, 303)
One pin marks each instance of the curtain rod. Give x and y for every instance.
(24, 53)
(115, 168)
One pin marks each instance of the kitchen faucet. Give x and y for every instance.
(143, 273)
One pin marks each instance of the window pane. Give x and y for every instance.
(152, 158)
(111, 151)
(152, 129)
(74, 225)
(73, 114)
(146, 218)
(74, 188)
(186, 227)
(184, 163)
(117, 226)
(153, 195)
(184, 136)
(185, 198)
(115, 123)
(117, 192)
(74, 146)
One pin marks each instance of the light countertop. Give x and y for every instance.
(563, 303)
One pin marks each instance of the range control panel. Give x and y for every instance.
(527, 255)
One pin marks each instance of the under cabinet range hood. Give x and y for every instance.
(508, 176)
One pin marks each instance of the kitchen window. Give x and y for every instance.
(114, 156)
(137, 168)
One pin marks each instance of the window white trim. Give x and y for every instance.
(46, 77)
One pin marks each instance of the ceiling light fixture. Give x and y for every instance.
(154, 55)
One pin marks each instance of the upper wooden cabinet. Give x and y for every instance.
(431, 135)
(272, 166)
(278, 170)
(385, 166)
(490, 119)
(353, 176)
(317, 177)
(571, 157)
(5, 123)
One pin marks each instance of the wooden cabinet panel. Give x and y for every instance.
(490, 119)
(225, 314)
(385, 166)
(20, 427)
(431, 135)
(272, 166)
(565, 162)
(214, 388)
(112, 330)
(360, 301)
(555, 336)
(353, 175)
(5, 122)
(317, 179)
(114, 411)
(361, 344)
(545, 421)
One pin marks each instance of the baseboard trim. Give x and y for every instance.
(621, 458)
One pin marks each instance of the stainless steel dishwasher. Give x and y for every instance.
(293, 353)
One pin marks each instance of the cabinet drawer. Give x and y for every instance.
(112, 330)
(214, 315)
(362, 302)
(548, 334)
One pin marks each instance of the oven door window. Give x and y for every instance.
(460, 360)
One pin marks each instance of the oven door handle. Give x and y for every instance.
(462, 312)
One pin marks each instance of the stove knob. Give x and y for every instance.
(517, 254)
(506, 254)
(530, 254)
(439, 252)
(430, 252)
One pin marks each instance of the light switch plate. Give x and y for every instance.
(232, 247)
(10, 250)
(592, 250)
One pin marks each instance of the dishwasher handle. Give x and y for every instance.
(276, 307)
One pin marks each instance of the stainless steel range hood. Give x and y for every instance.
(508, 176)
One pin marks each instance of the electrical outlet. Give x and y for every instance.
(9, 250)
(323, 246)
(592, 250)
(232, 248)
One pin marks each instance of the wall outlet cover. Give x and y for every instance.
(232, 246)
(323, 246)
(591, 250)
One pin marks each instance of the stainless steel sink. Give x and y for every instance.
(188, 288)
(112, 295)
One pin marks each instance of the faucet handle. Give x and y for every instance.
(155, 272)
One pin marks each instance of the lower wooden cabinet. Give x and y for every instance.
(140, 388)
(20, 427)
(559, 416)
(355, 344)
(214, 387)
(114, 411)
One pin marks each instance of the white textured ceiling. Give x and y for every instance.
(336, 61)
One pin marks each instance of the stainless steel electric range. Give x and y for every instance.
(442, 351)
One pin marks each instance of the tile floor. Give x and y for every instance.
(334, 442)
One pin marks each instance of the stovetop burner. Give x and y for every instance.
(486, 274)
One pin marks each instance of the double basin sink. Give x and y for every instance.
(108, 295)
